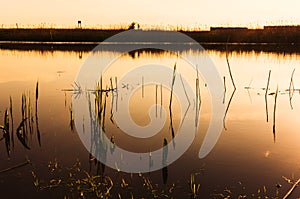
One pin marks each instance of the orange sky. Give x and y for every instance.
(199, 13)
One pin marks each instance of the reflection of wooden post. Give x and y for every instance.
(79, 23)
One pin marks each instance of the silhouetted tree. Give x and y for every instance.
(134, 25)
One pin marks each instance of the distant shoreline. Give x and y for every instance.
(87, 47)
(270, 38)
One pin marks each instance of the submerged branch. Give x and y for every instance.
(274, 113)
(266, 95)
(36, 113)
(224, 96)
(229, 69)
(16, 166)
(233, 92)
(291, 89)
(12, 121)
(292, 189)
(171, 97)
(227, 108)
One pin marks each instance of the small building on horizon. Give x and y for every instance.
(284, 27)
(228, 28)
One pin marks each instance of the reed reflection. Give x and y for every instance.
(25, 127)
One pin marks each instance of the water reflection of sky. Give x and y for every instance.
(245, 152)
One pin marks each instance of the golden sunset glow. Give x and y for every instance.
(192, 13)
(149, 99)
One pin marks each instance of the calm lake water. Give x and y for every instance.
(249, 159)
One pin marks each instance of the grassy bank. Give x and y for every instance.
(269, 34)
(56, 35)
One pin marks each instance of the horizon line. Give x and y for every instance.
(141, 26)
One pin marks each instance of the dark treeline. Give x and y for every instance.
(269, 34)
